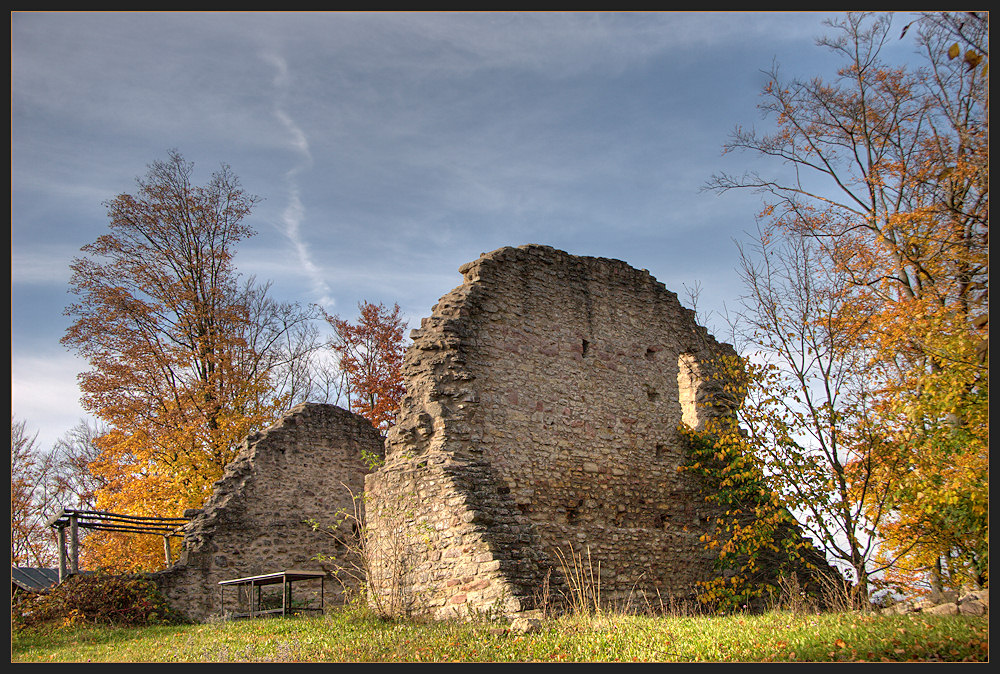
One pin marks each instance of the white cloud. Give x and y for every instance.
(44, 394)
(42, 263)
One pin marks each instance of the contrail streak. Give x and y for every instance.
(294, 213)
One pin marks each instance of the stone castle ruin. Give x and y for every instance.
(539, 428)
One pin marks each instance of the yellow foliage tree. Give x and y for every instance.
(183, 354)
(806, 417)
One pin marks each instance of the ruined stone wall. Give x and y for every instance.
(541, 414)
(254, 523)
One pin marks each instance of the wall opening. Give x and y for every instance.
(688, 382)
(572, 513)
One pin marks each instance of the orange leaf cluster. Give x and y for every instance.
(370, 353)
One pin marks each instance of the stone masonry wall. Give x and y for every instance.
(254, 522)
(543, 400)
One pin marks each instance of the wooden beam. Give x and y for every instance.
(74, 545)
(62, 553)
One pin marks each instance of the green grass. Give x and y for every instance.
(353, 635)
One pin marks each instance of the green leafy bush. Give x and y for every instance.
(98, 599)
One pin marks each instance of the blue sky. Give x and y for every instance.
(389, 148)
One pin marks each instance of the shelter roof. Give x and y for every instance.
(33, 579)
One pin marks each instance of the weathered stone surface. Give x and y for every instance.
(976, 602)
(303, 467)
(540, 423)
(525, 625)
(950, 608)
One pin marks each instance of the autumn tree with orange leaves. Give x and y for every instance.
(370, 353)
(186, 358)
(890, 186)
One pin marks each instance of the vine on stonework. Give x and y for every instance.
(754, 536)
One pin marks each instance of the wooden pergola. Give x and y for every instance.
(168, 527)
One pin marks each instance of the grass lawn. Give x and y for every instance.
(355, 635)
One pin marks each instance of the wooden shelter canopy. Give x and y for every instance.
(105, 521)
(255, 606)
(275, 578)
(99, 520)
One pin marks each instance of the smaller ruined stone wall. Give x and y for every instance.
(303, 467)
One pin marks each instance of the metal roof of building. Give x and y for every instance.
(33, 580)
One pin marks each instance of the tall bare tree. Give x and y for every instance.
(32, 499)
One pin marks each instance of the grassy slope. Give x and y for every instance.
(355, 636)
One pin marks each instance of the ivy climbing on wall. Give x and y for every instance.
(754, 538)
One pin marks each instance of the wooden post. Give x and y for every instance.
(74, 545)
(166, 549)
(286, 595)
(62, 552)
